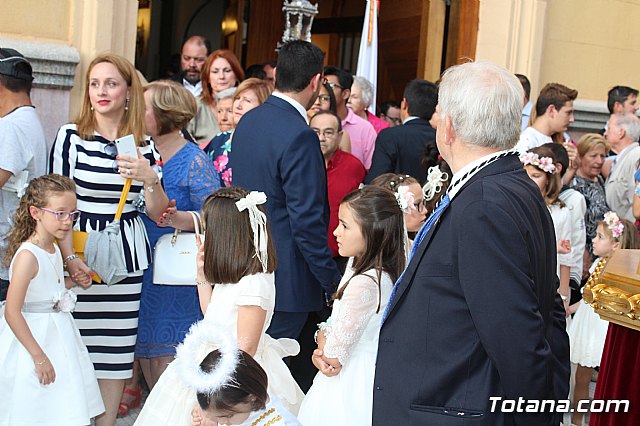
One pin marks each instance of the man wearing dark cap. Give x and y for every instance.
(22, 143)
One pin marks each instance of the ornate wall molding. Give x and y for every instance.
(54, 65)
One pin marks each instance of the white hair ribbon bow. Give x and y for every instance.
(435, 179)
(258, 223)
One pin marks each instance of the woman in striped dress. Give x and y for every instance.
(112, 107)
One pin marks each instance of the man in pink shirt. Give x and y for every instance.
(361, 132)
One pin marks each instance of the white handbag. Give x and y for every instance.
(174, 256)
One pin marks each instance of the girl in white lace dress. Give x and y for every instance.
(539, 165)
(587, 331)
(46, 376)
(371, 231)
(239, 258)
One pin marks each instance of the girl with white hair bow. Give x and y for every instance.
(236, 287)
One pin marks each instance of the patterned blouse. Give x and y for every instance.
(596, 205)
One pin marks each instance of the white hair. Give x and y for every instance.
(484, 102)
(225, 94)
(630, 123)
(366, 88)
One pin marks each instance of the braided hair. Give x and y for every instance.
(37, 194)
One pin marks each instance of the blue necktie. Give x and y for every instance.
(433, 218)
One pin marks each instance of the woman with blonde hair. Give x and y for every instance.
(220, 71)
(592, 152)
(112, 107)
(167, 312)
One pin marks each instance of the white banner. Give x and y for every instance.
(368, 54)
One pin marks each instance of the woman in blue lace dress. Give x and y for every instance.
(249, 94)
(167, 312)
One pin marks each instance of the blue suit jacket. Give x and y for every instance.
(276, 152)
(473, 316)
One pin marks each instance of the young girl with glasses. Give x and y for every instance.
(42, 357)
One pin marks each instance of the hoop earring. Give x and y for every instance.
(126, 105)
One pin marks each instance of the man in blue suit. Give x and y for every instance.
(472, 327)
(276, 152)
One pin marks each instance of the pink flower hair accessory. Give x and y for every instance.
(614, 224)
(543, 163)
(405, 199)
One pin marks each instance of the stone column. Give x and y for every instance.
(54, 67)
(511, 34)
(98, 26)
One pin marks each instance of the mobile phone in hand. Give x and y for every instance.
(126, 145)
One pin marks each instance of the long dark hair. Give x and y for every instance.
(381, 222)
(249, 385)
(228, 246)
(554, 183)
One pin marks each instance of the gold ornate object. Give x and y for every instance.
(613, 289)
(268, 422)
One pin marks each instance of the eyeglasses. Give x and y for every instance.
(324, 98)
(63, 216)
(332, 85)
(328, 133)
(393, 119)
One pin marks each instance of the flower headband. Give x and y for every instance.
(198, 343)
(258, 223)
(543, 163)
(405, 198)
(435, 179)
(614, 224)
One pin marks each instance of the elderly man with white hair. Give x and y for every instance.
(361, 99)
(623, 131)
(473, 332)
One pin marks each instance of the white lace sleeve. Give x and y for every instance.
(349, 320)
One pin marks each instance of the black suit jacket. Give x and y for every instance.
(473, 316)
(400, 150)
(275, 151)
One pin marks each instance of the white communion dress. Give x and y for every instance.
(274, 414)
(587, 334)
(171, 400)
(74, 397)
(352, 337)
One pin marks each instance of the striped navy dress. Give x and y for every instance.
(107, 316)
